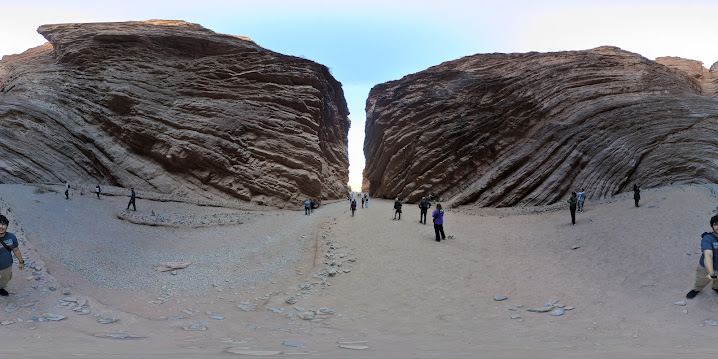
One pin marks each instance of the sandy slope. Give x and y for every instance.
(407, 295)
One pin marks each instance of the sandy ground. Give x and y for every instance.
(397, 291)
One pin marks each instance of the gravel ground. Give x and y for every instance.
(98, 240)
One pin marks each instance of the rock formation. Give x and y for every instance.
(175, 108)
(499, 130)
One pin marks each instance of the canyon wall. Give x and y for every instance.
(499, 130)
(172, 107)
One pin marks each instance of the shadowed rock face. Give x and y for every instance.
(172, 107)
(501, 130)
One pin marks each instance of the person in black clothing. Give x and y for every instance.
(353, 206)
(424, 206)
(97, 191)
(636, 194)
(397, 208)
(132, 199)
(572, 206)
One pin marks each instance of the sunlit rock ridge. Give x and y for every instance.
(498, 130)
(172, 107)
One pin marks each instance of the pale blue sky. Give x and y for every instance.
(369, 42)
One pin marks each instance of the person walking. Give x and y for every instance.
(397, 208)
(97, 191)
(362, 202)
(307, 207)
(581, 196)
(636, 193)
(132, 200)
(9, 247)
(424, 206)
(353, 206)
(67, 190)
(708, 264)
(572, 206)
(366, 201)
(438, 216)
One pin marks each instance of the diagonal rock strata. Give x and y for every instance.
(500, 130)
(172, 107)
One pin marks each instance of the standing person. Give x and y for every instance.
(67, 190)
(353, 206)
(307, 207)
(132, 200)
(438, 216)
(708, 264)
(397, 208)
(424, 206)
(581, 195)
(362, 202)
(97, 191)
(636, 193)
(366, 201)
(572, 206)
(9, 244)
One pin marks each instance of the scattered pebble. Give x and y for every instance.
(681, 303)
(195, 327)
(557, 312)
(53, 317)
(355, 347)
(500, 297)
(107, 320)
(245, 351)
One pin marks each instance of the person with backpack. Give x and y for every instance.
(397, 208)
(438, 216)
(353, 206)
(708, 264)
(424, 206)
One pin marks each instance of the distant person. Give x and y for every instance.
(67, 190)
(572, 202)
(397, 208)
(362, 202)
(97, 191)
(366, 201)
(424, 206)
(708, 264)
(307, 207)
(581, 196)
(636, 194)
(438, 216)
(353, 206)
(312, 205)
(9, 244)
(132, 200)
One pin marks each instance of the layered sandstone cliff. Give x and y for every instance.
(527, 129)
(175, 108)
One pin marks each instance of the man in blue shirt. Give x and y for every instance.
(8, 242)
(708, 264)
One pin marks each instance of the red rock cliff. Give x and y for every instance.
(172, 107)
(527, 129)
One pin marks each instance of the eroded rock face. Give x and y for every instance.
(501, 130)
(175, 108)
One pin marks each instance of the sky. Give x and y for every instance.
(368, 42)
